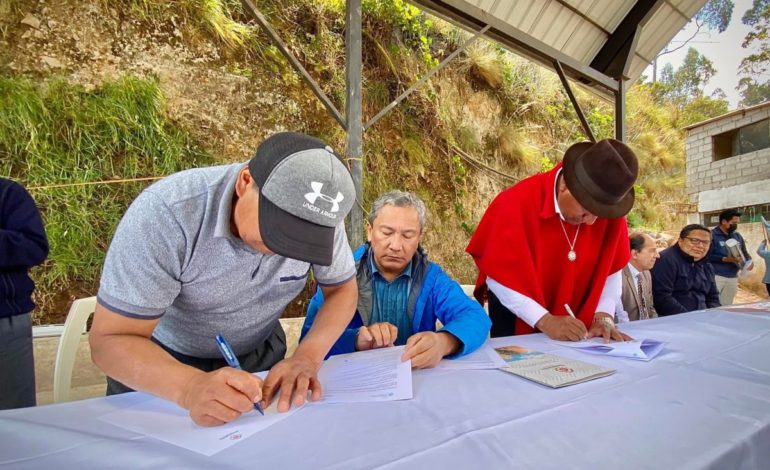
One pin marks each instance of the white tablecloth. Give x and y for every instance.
(703, 403)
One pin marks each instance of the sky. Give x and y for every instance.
(723, 49)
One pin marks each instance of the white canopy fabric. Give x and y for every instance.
(598, 42)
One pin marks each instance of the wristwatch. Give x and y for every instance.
(605, 321)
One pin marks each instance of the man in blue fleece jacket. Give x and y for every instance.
(23, 244)
(401, 293)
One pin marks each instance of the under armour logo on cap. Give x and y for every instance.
(317, 187)
(292, 221)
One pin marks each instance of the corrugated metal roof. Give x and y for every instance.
(595, 40)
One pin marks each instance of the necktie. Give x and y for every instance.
(642, 304)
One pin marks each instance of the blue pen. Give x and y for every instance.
(232, 361)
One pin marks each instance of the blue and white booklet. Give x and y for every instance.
(638, 349)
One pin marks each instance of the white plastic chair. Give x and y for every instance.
(74, 327)
(468, 289)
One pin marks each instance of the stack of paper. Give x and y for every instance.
(547, 369)
(639, 349)
(166, 421)
(376, 375)
(366, 376)
(483, 358)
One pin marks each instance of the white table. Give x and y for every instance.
(703, 403)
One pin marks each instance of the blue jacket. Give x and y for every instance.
(719, 251)
(680, 284)
(23, 244)
(434, 295)
(764, 252)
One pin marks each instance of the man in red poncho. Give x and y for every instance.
(557, 242)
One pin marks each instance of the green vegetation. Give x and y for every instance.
(55, 133)
(485, 121)
(217, 17)
(755, 84)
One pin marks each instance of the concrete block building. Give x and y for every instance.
(728, 166)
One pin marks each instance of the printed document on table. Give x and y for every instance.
(548, 369)
(483, 358)
(166, 421)
(366, 376)
(639, 349)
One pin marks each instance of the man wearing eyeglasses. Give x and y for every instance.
(683, 279)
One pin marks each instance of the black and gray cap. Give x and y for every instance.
(305, 192)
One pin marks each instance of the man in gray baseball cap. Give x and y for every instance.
(222, 251)
(304, 193)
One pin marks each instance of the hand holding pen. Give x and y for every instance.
(232, 361)
(572, 314)
(220, 396)
(562, 327)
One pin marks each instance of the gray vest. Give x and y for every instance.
(420, 266)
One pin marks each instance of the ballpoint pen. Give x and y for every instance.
(232, 361)
(569, 310)
(571, 313)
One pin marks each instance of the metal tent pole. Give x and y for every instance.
(354, 121)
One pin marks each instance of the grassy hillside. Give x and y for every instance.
(116, 93)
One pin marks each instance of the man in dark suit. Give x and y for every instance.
(637, 303)
(683, 279)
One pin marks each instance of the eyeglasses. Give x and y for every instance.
(698, 241)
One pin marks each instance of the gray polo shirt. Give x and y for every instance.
(173, 257)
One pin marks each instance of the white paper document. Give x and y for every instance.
(639, 349)
(365, 376)
(483, 358)
(166, 421)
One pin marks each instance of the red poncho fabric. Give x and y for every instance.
(520, 244)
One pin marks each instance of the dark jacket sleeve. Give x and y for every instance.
(712, 296)
(461, 316)
(717, 252)
(663, 280)
(23, 242)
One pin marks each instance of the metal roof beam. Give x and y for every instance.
(425, 78)
(620, 112)
(578, 110)
(252, 9)
(473, 19)
(612, 57)
(584, 16)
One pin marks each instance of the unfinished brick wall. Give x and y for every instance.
(703, 173)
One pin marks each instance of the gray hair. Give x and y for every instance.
(400, 199)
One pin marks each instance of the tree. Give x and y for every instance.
(700, 109)
(715, 15)
(683, 88)
(687, 82)
(753, 88)
(753, 92)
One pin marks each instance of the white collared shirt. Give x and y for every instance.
(634, 273)
(621, 315)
